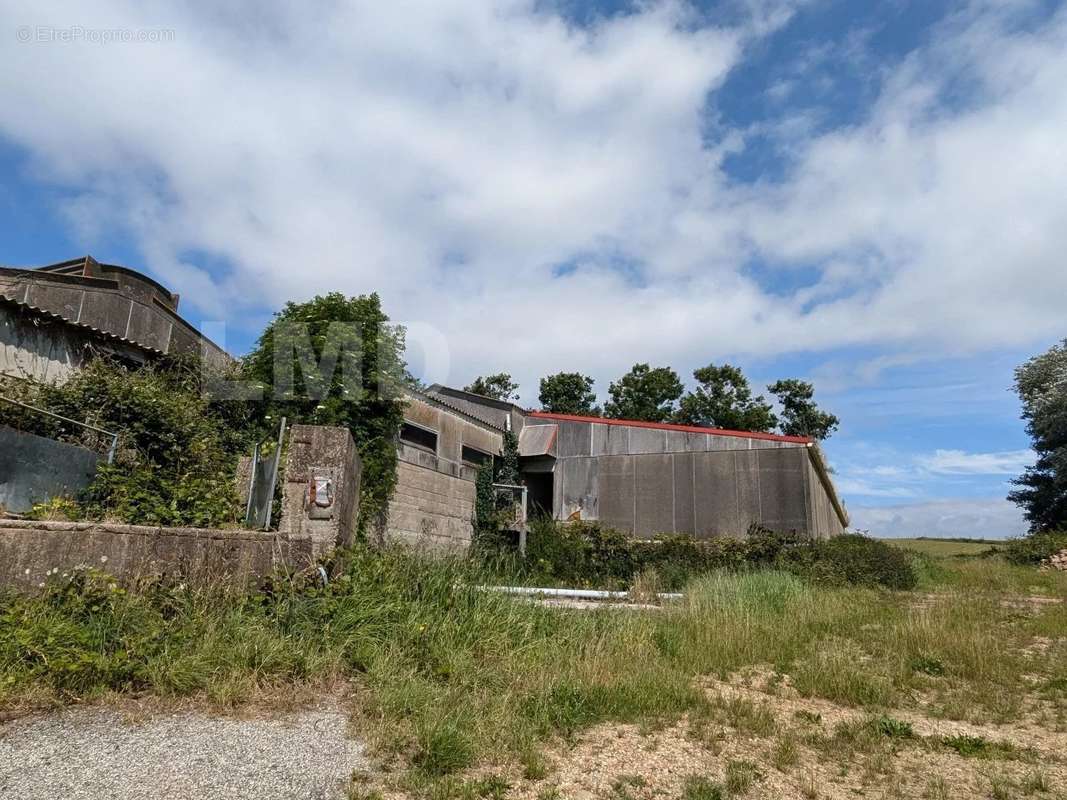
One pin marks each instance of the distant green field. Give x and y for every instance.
(945, 547)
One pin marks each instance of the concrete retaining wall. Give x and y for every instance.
(29, 549)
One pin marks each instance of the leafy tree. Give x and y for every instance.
(336, 360)
(800, 416)
(568, 393)
(1042, 387)
(644, 394)
(499, 386)
(723, 399)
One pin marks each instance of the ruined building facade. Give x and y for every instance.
(639, 477)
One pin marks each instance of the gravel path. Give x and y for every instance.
(95, 753)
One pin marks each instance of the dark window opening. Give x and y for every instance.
(476, 457)
(418, 437)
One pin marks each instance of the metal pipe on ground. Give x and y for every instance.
(575, 594)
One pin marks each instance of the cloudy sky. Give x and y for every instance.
(872, 196)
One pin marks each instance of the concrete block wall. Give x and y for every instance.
(433, 503)
(431, 507)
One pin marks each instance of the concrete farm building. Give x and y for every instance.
(643, 478)
(649, 478)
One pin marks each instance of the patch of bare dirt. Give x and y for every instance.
(765, 686)
(628, 762)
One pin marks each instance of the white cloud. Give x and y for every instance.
(958, 462)
(980, 518)
(861, 487)
(886, 473)
(451, 154)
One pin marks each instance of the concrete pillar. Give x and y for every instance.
(320, 491)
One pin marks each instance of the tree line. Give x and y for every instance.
(722, 398)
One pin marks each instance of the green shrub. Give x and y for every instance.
(579, 554)
(590, 554)
(1035, 548)
(851, 559)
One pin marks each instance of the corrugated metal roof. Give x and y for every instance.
(470, 410)
(538, 440)
(10, 301)
(436, 399)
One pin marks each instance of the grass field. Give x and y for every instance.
(756, 684)
(940, 548)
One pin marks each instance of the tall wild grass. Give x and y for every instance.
(446, 674)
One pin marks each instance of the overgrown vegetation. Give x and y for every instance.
(589, 554)
(453, 674)
(1035, 548)
(336, 360)
(333, 360)
(177, 448)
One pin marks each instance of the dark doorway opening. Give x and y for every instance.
(539, 493)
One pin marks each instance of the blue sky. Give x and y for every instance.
(867, 195)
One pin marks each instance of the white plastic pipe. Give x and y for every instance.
(577, 594)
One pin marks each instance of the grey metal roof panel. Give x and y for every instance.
(538, 440)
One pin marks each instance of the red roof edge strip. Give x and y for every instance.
(666, 426)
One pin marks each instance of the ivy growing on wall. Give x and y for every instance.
(337, 360)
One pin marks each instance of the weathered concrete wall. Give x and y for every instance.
(823, 516)
(601, 438)
(326, 450)
(454, 430)
(650, 480)
(433, 503)
(28, 550)
(34, 469)
(703, 493)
